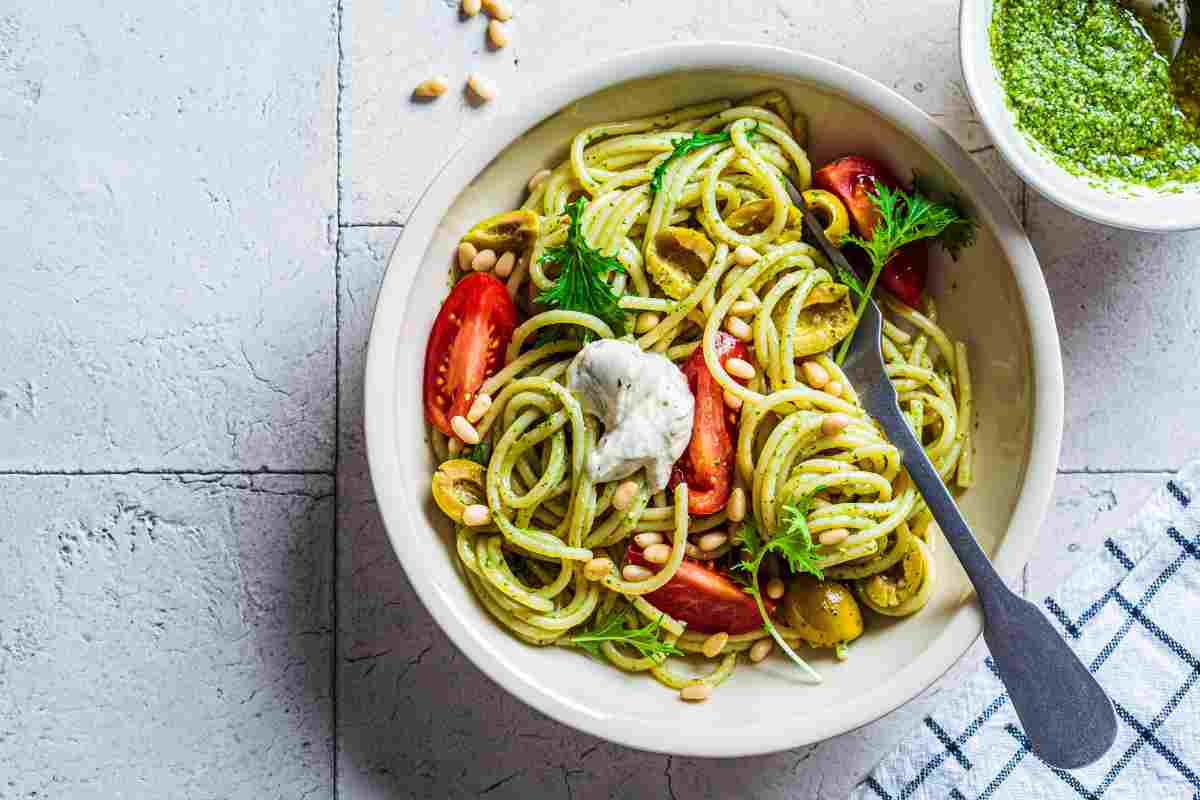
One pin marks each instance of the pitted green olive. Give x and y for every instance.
(823, 613)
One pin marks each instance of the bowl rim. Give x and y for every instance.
(979, 72)
(540, 102)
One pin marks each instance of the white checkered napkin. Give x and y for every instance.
(1132, 612)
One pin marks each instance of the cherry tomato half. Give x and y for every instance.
(466, 346)
(852, 179)
(707, 464)
(707, 600)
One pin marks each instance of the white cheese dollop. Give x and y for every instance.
(645, 404)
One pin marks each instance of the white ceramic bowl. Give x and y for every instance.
(1139, 209)
(994, 298)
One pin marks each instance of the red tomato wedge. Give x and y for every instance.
(852, 179)
(707, 464)
(466, 346)
(705, 599)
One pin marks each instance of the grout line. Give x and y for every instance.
(1025, 206)
(1128, 471)
(371, 225)
(986, 148)
(87, 473)
(334, 600)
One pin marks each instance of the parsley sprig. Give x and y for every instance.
(613, 629)
(685, 145)
(905, 218)
(794, 542)
(581, 284)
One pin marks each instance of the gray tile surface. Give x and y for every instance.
(176, 258)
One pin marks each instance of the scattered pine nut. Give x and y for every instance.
(464, 430)
(470, 8)
(740, 368)
(476, 515)
(597, 569)
(741, 308)
(775, 588)
(833, 424)
(739, 328)
(478, 408)
(834, 388)
(648, 539)
(538, 178)
(497, 9)
(834, 536)
(736, 509)
(657, 553)
(714, 644)
(635, 572)
(505, 264)
(484, 260)
(711, 541)
(433, 87)
(497, 34)
(646, 322)
(481, 87)
(623, 497)
(744, 255)
(761, 649)
(695, 693)
(466, 254)
(816, 375)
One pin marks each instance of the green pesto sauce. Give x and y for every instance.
(1086, 81)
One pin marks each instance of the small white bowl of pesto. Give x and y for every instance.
(1083, 100)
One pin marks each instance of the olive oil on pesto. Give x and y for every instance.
(1085, 81)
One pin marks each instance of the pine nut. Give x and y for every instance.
(741, 308)
(598, 569)
(821, 502)
(538, 178)
(505, 264)
(775, 588)
(761, 649)
(466, 254)
(484, 260)
(433, 87)
(648, 539)
(740, 368)
(476, 515)
(816, 375)
(635, 572)
(834, 388)
(711, 541)
(657, 553)
(834, 536)
(497, 34)
(646, 322)
(732, 401)
(455, 445)
(736, 509)
(833, 424)
(498, 9)
(695, 693)
(693, 551)
(481, 87)
(464, 430)
(714, 644)
(470, 7)
(623, 497)
(744, 255)
(480, 407)
(739, 328)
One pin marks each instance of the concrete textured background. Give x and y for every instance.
(198, 600)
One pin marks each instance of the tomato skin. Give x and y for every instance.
(707, 600)
(852, 179)
(707, 464)
(466, 346)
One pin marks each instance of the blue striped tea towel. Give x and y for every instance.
(1131, 614)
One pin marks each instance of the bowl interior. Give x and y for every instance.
(1138, 208)
(763, 708)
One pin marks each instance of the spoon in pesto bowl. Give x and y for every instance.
(1065, 712)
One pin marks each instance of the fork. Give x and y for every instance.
(1065, 712)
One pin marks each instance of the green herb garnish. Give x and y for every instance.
(480, 453)
(794, 542)
(685, 145)
(581, 284)
(612, 629)
(904, 218)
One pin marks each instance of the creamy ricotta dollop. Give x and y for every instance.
(645, 404)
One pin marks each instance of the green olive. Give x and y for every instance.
(458, 483)
(510, 231)
(823, 613)
(755, 216)
(679, 259)
(892, 590)
(826, 318)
